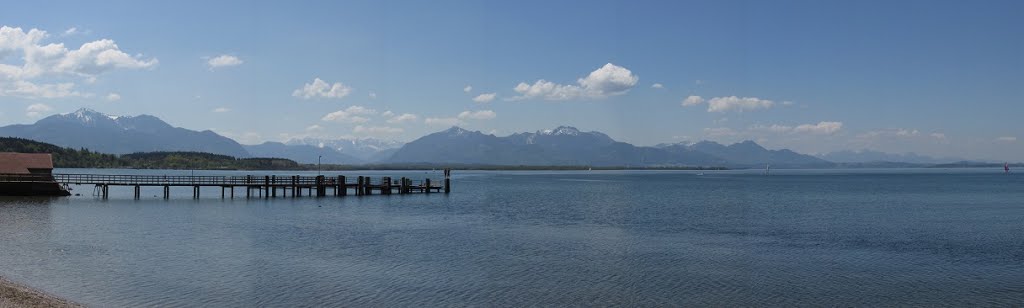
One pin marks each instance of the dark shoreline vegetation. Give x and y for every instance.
(84, 158)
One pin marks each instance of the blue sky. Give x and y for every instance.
(933, 77)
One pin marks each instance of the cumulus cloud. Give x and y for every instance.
(657, 86)
(693, 100)
(352, 114)
(314, 127)
(1007, 139)
(387, 114)
(606, 81)
(467, 89)
(221, 109)
(113, 97)
(26, 89)
(441, 121)
(377, 130)
(485, 98)
(405, 117)
(36, 110)
(320, 88)
(54, 60)
(907, 132)
(477, 115)
(729, 103)
(938, 136)
(821, 128)
(373, 95)
(223, 61)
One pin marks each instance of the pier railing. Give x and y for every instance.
(265, 185)
(185, 180)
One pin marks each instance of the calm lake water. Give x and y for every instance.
(725, 238)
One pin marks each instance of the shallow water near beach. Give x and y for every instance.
(639, 238)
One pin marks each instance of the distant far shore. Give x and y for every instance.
(15, 295)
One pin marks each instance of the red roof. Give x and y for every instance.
(19, 163)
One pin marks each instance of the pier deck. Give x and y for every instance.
(265, 186)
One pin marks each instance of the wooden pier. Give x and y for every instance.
(265, 186)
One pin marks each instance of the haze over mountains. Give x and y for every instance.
(563, 145)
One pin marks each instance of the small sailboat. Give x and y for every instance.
(767, 169)
(1006, 168)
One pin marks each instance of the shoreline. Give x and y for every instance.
(15, 295)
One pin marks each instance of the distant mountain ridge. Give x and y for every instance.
(364, 149)
(566, 145)
(87, 128)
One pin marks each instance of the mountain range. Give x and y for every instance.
(569, 146)
(562, 146)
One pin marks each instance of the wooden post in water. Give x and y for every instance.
(167, 192)
(273, 187)
(222, 188)
(320, 192)
(266, 186)
(387, 185)
(427, 185)
(232, 191)
(360, 187)
(342, 186)
(447, 181)
(293, 186)
(137, 192)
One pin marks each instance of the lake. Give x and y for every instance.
(898, 237)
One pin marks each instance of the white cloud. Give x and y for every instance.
(71, 31)
(350, 115)
(693, 100)
(485, 98)
(113, 97)
(387, 114)
(822, 128)
(1007, 139)
(606, 81)
(728, 103)
(36, 110)
(377, 130)
(938, 136)
(314, 127)
(221, 109)
(467, 89)
(405, 117)
(907, 132)
(477, 115)
(441, 121)
(373, 95)
(26, 89)
(657, 86)
(223, 61)
(320, 88)
(55, 61)
(96, 57)
(774, 128)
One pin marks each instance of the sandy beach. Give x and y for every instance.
(13, 295)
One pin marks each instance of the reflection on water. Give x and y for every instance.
(727, 238)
